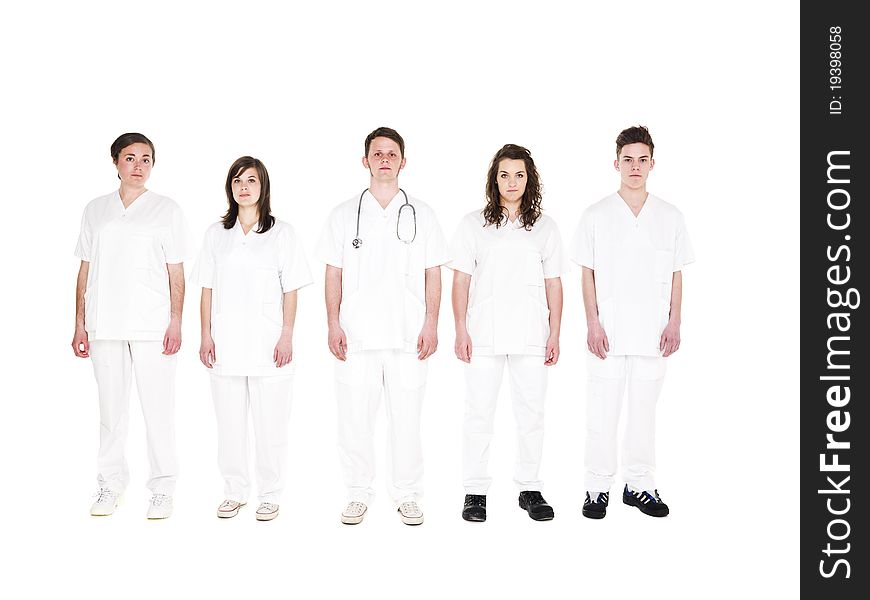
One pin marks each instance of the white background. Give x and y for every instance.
(300, 86)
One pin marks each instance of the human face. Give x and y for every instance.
(385, 159)
(634, 164)
(134, 164)
(246, 188)
(511, 179)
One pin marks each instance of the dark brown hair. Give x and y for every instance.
(634, 135)
(530, 203)
(390, 134)
(125, 140)
(264, 206)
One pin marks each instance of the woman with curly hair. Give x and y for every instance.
(507, 304)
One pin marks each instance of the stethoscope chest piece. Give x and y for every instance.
(356, 242)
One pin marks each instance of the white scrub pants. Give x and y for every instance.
(114, 362)
(483, 378)
(359, 383)
(640, 379)
(269, 401)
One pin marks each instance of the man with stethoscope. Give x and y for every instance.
(383, 250)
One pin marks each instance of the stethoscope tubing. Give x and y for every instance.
(357, 242)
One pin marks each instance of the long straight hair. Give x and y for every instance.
(530, 203)
(264, 206)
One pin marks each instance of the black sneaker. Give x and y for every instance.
(537, 507)
(598, 508)
(475, 508)
(648, 503)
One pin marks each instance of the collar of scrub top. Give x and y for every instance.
(357, 241)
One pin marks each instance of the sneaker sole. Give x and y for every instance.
(230, 513)
(474, 519)
(640, 507)
(160, 518)
(593, 515)
(267, 517)
(352, 520)
(412, 520)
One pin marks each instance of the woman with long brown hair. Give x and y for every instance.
(507, 304)
(250, 268)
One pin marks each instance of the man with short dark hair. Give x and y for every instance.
(632, 247)
(383, 251)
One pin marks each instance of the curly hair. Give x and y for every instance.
(530, 204)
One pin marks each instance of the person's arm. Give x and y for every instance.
(284, 348)
(427, 341)
(553, 289)
(670, 341)
(80, 344)
(337, 339)
(461, 285)
(172, 338)
(206, 346)
(596, 338)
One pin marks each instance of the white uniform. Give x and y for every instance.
(634, 259)
(508, 321)
(249, 275)
(126, 317)
(383, 307)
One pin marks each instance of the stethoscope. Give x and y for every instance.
(357, 242)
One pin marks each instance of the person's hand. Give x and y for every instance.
(596, 340)
(462, 348)
(427, 341)
(283, 353)
(551, 355)
(206, 351)
(670, 341)
(337, 342)
(80, 344)
(172, 338)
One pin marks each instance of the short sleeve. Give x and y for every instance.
(436, 245)
(462, 248)
(683, 252)
(85, 245)
(330, 245)
(553, 256)
(178, 242)
(202, 274)
(582, 249)
(294, 271)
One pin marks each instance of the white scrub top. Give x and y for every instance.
(127, 296)
(249, 275)
(634, 259)
(383, 282)
(507, 302)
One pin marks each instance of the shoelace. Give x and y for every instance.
(268, 506)
(409, 507)
(600, 498)
(230, 504)
(475, 500)
(646, 497)
(535, 497)
(160, 499)
(355, 508)
(106, 495)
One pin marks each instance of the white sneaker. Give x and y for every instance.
(106, 503)
(410, 513)
(161, 506)
(353, 513)
(229, 508)
(267, 511)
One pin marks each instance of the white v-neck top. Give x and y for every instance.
(634, 259)
(383, 281)
(249, 275)
(507, 302)
(127, 296)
